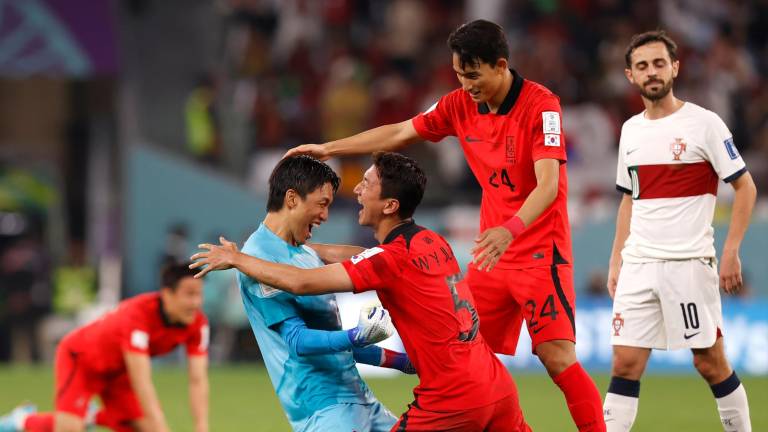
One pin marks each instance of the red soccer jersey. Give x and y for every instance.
(418, 280)
(138, 325)
(501, 149)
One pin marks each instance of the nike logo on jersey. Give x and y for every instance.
(688, 336)
(629, 152)
(536, 330)
(470, 139)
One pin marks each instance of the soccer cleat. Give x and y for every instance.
(14, 421)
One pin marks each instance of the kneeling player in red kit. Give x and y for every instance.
(110, 357)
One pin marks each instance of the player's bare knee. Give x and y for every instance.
(627, 367)
(711, 367)
(556, 356)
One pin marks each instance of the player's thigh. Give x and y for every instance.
(66, 422)
(507, 416)
(690, 300)
(419, 420)
(547, 297)
(346, 417)
(637, 319)
(121, 407)
(500, 316)
(74, 384)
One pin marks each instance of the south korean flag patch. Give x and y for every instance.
(552, 140)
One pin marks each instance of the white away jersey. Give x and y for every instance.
(672, 167)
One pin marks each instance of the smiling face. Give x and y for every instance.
(308, 212)
(652, 70)
(481, 80)
(375, 208)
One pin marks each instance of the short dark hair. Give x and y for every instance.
(303, 174)
(641, 39)
(402, 179)
(479, 41)
(174, 272)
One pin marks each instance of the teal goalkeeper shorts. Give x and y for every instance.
(346, 417)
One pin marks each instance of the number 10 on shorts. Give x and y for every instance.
(690, 315)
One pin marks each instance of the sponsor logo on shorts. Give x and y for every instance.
(618, 323)
(688, 336)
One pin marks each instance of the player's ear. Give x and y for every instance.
(291, 199)
(391, 207)
(628, 74)
(501, 65)
(675, 68)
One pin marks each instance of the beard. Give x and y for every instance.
(654, 95)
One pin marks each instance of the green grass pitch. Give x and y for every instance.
(242, 399)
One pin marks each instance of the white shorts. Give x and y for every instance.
(667, 305)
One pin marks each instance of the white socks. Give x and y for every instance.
(619, 412)
(732, 405)
(620, 406)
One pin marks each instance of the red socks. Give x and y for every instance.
(39, 422)
(582, 397)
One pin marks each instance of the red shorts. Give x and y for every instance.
(502, 416)
(543, 296)
(76, 385)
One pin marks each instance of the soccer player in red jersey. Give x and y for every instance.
(511, 132)
(110, 357)
(462, 385)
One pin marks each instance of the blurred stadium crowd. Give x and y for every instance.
(233, 83)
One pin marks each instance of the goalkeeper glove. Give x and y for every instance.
(374, 326)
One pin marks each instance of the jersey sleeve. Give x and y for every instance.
(436, 122)
(623, 181)
(134, 332)
(548, 137)
(199, 338)
(372, 269)
(721, 151)
(275, 306)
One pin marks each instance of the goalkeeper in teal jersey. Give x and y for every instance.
(310, 359)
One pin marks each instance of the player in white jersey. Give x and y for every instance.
(663, 275)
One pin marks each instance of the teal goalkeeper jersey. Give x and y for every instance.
(304, 384)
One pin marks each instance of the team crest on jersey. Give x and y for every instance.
(677, 148)
(618, 323)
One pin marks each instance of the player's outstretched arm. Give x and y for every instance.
(374, 326)
(743, 202)
(377, 356)
(622, 232)
(197, 368)
(139, 370)
(383, 138)
(332, 253)
(321, 280)
(491, 244)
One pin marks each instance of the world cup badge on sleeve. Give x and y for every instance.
(677, 148)
(618, 323)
